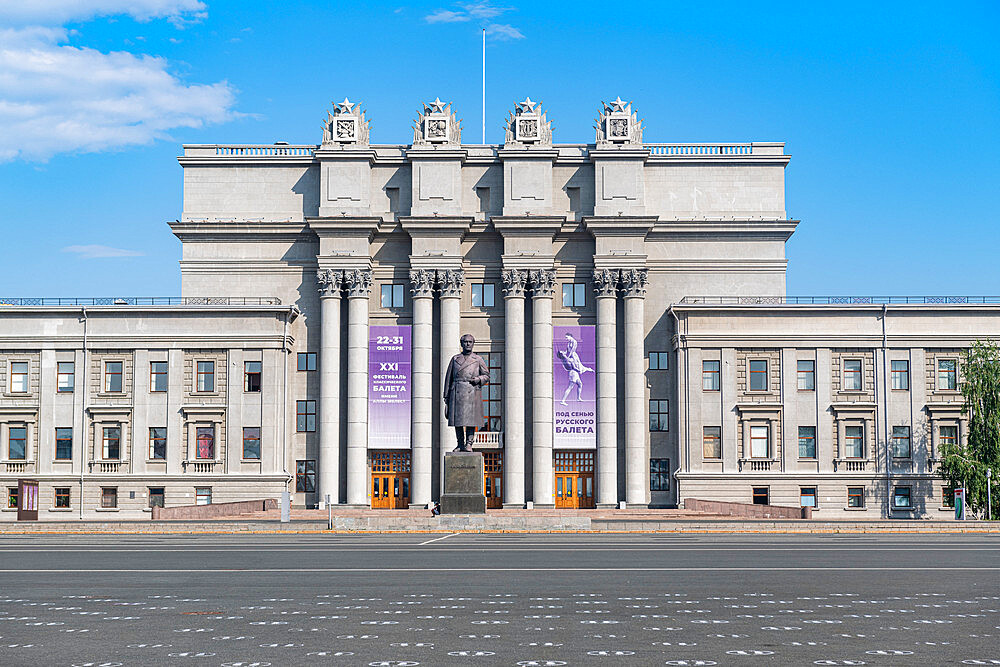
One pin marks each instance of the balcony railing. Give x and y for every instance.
(850, 465)
(265, 150)
(755, 465)
(700, 149)
(16, 467)
(111, 467)
(836, 300)
(489, 439)
(143, 301)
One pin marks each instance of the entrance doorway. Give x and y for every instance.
(390, 484)
(493, 482)
(574, 473)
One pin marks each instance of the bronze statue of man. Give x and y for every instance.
(463, 401)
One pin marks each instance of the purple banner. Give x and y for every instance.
(389, 387)
(574, 395)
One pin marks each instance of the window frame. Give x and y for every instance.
(206, 433)
(714, 377)
(12, 497)
(310, 359)
(953, 374)
(714, 439)
(659, 360)
(751, 373)
(815, 496)
(394, 290)
(61, 386)
(859, 496)
(908, 495)
(305, 476)
(848, 439)
(62, 497)
(150, 495)
(896, 439)
(757, 492)
(24, 375)
(811, 438)
(575, 296)
(810, 374)
(660, 407)
(154, 439)
(106, 442)
(109, 376)
(201, 493)
(204, 377)
(767, 441)
(950, 440)
(899, 376)
(250, 377)
(492, 393)
(58, 440)
(304, 410)
(659, 479)
(23, 428)
(246, 439)
(483, 293)
(858, 375)
(109, 497)
(156, 375)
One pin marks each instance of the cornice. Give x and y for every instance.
(534, 225)
(780, 230)
(523, 153)
(246, 231)
(619, 225)
(443, 225)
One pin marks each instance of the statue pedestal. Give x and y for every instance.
(463, 484)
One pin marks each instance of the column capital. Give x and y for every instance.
(359, 282)
(606, 282)
(450, 282)
(329, 283)
(422, 283)
(514, 281)
(543, 282)
(634, 282)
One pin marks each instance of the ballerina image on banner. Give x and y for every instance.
(574, 386)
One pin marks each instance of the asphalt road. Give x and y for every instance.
(499, 599)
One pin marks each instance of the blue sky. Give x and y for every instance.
(891, 112)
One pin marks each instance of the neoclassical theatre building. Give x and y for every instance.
(628, 298)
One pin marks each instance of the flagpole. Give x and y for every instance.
(484, 85)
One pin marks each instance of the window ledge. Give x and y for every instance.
(855, 509)
(903, 509)
(156, 460)
(17, 394)
(112, 394)
(106, 509)
(249, 460)
(60, 509)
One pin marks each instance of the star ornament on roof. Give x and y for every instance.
(346, 106)
(527, 106)
(437, 106)
(618, 105)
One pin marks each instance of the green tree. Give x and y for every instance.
(966, 465)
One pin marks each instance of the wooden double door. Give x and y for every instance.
(493, 478)
(390, 480)
(574, 477)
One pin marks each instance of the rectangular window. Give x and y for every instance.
(305, 416)
(659, 418)
(947, 377)
(109, 497)
(900, 442)
(483, 295)
(710, 375)
(807, 442)
(659, 361)
(854, 442)
(574, 295)
(112, 440)
(852, 375)
(113, 376)
(758, 375)
(493, 392)
(64, 443)
(948, 436)
(306, 361)
(392, 296)
(759, 442)
(206, 376)
(158, 443)
(305, 476)
(205, 436)
(712, 442)
(807, 496)
(947, 496)
(659, 474)
(855, 496)
(806, 369)
(251, 442)
(900, 374)
(251, 376)
(19, 377)
(62, 497)
(65, 377)
(761, 495)
(203, 495)
(12, 497)
(901, 498)
(156, 496)
(17, 443)
(157, 376)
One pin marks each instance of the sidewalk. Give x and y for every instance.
(501, 521)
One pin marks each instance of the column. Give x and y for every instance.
(606, 291)
(422, 370)
(542, 289)
(359, 286)
(450, 282)
(513, 387)
(636, 428)
(330, 284)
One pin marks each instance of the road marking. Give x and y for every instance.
(502, 569)
(410, 547)
(438, 539)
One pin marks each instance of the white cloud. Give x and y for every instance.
(479, 11)
(100, 251)
(502, 31)
(446, 16)
(56, 98)
(58, 12)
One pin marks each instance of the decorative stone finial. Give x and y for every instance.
(527, 126)
(618, 124)
(436, 125)
(347, 125)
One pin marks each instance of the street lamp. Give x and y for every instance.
(989, 495)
